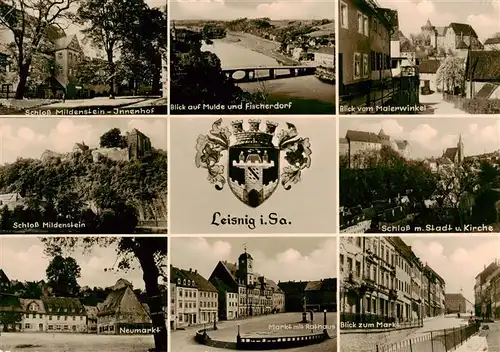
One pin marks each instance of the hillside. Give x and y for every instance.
(108, 195)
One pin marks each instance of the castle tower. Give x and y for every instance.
(384, 139)
(429, 33)
(460, 149)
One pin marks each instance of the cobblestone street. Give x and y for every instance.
(183, 340)
(366, 342)
(47, 342)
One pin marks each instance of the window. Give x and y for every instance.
(349, 264)
(360, 23)
(344, 17)
(365, 74)
(357, 65)
(51, 327)
(27, 326)
(366, 26)
(358, 269)
(50, 317)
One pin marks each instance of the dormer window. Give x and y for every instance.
(184, 282)
(178, 281)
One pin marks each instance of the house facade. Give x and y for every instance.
(365, 44)
(483, 74)
(122, 310)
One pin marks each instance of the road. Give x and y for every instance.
(69, 342)
(183, 340)
(366, 342)
(492, 336)
(436, 105)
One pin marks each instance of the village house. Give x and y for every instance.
(91, 318)
(122, 310)
(492, 44)
(63, 314)
(325, 57)
(186, 298)
(365, 51)
(428, 76)
(11, 200)
(483, 75)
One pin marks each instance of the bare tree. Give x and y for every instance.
(33, 25)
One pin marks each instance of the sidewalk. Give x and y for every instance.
(474, 344)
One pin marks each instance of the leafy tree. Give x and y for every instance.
(5, 218)
(451, 74)
(108, 22)
(92, 71)
(149, 252)
(196, 75)
(10, 318)
(62, 274)
(141, 53)
(34, 24)
(113, 139)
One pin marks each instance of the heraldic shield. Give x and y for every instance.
(252, 158)
(253, 165)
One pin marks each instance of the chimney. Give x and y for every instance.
(196, 271)
(190, 270)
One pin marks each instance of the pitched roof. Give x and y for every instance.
(25, 303)
(495, 40)
(202, 283)
(487, 90)
(463, 28)
(63, 305)
(112, 302)
(484, 66)
(9, 197)
(3, 276)
(450, 153)
(453, 296)
(314, 285)
(429, 66)
(362, 136)
(343, 141)
(273, 286)
(441, 31)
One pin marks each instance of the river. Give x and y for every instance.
(307, 94)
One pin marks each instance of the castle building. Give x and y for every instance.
(456, 38)
(357, 143)
(139, 145)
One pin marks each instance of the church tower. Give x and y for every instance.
(245, 268)
(460, 149)
(384, 139)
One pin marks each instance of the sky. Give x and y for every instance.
(428, 137)
(458, 259)
(22, 259)
(30, 137)
(233, 9)
(483, 16)
(278, 259)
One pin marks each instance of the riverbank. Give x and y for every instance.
(263, 46)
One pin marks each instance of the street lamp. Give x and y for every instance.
(324, 322)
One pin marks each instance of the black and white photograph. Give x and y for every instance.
(240, 293)
(419, 57)
(419, 175)
(83, 57)
(247, 175)
(432, 293)
(91, 175)
(252, 57)
(83, 294)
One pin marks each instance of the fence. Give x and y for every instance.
(396, 91)
(435, 341)
(372, 321)
(277, 343)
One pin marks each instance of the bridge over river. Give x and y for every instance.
(267, 73)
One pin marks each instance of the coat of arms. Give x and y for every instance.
(253, 158)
